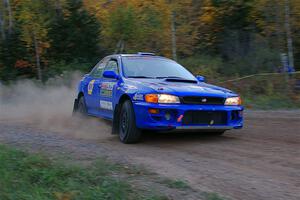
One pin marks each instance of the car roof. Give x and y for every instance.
(140, 54)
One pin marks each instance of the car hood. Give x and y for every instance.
(183, 88)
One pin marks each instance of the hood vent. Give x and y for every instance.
(180, 80)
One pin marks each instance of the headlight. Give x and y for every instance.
(161, 98)
(233, 101)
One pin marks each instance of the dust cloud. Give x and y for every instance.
(48, 106)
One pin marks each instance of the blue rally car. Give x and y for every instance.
(147, 92)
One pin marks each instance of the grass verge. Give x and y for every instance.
(178, 184)
(271, 102)
(25, 176)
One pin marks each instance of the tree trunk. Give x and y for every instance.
(118, 46)
(10, 18)
(279, 45)
(37, 58)
(58, 8)
(289, 34)
(2, 25)
(173, 29)
(122, 47)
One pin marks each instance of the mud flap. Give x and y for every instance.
(75, 107)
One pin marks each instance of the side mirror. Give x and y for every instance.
(110, 74)
(201, 78)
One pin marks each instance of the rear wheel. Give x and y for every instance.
(128, 132)
(81, 109)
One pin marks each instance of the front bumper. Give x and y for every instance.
(203, 127)
(170, 116)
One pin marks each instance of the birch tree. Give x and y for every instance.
(34, 30)
(6, 18)
(2, 23)
(7, 5)
(289, 34)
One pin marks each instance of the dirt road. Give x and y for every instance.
(262, 161)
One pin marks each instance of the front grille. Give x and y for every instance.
(204, 118)
(203, 100)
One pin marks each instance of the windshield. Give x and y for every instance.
(153, 67)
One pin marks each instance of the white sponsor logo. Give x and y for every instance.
(106, 105)
(138, 97)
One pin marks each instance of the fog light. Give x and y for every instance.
(168, 116)
(153, 111)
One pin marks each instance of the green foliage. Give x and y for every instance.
(213, 196)
(267, 92)
(29, 177)
(33, 21)
(204, 65)
(270, 102)
(216, 38)
(75, 35)
(132, 26)
(123, 23)
(57, 68)
(65, 35)
(179, 184)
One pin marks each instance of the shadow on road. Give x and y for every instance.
(185, 137)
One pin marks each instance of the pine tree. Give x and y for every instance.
(75, 34)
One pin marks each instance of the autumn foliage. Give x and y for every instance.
(213, 37)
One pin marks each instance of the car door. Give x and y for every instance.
(93, 88)
(108, 88)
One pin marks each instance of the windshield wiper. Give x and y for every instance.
(139, 77)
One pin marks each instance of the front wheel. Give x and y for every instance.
(128, 132)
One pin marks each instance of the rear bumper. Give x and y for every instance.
(170, 117)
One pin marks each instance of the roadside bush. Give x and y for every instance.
(203, 65)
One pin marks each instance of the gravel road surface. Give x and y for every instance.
(261, 161)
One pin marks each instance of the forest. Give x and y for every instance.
(216, 38)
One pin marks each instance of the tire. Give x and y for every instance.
(81, 108)
(128, 132)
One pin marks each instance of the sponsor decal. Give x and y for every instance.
(107, 85)
(130, 89)
(106, 89)
(139, 97)
(106, 93)
(106, 105)
(91, 87)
